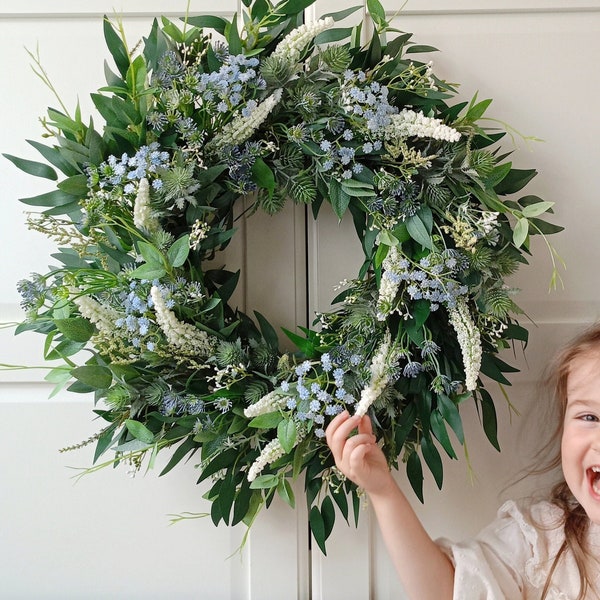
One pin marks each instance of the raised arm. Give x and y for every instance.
(424, 570)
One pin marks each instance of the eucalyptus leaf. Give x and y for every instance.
(263, 482)
(179, 251)
(287, 434)
(418, 232)
(31, 167)
(76, 328)
(95, 376)
(139, 431)
(520, 232)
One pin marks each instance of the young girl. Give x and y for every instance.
(547, 550)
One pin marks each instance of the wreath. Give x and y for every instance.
(275, 110)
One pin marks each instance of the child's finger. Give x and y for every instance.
(339, 429)
(335, 423)
(365, 425)
(356, 441)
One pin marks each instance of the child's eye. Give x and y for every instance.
(589, 418)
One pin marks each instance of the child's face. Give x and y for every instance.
(580, 447)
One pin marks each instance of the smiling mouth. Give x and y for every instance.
(594, 479)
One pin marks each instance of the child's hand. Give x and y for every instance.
(358, 456)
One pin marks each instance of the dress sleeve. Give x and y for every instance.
(503, 562)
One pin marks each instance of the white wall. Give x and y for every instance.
(108, 536)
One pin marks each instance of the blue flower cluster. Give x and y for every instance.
(240, 160)
(172, 404)
(136, 325)
(361, 130)
(233, 84)
(127, 169)
(33, 292)
(319, 390)
(369, 101)
(433, 279)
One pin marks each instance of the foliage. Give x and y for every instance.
(280, 111)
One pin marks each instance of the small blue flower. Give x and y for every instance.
(412, 369)
(303, 368)
(326, 362)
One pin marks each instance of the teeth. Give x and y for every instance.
(595, 469)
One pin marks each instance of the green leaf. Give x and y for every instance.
(414, 470)
(264, 482)
(535, 210)
(209, 22)
(433, 460)
(54, 156)
(451, 415)
(116, 47)
(418, 232)
(492, 368)
(287, 434)
(405, 424)
(476, 110)
(179, 251)
(516, 180)
(328, 514)
(341, 500)
(233, 38)
(266, 421)
(338, 198)
(285, 491)
(263, 175)
(541, 226)
(259, 8)
(499, 173)
(56, 198)
(95, 376)
(134, 445)
(139, 431)
(149, 271)
(150, 254)
(77, 185)
(420, 48)
(376, 11)
(342, 14)
(186, 447)
(317, 526)
(438, 427)
(104, 441)
(293, 7)
(227, 495)
(490, 421)
(32, 167)
(520, 232)
(64, 349)
(306, 346)
(386, 239)
(77, 329)
(242, 504)
(333, 35)
(268, 332)
(361, 190)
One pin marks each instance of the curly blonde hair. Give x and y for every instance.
(576, 522)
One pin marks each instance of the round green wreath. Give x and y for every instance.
(278, 111)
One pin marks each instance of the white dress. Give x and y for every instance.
(510, 559)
